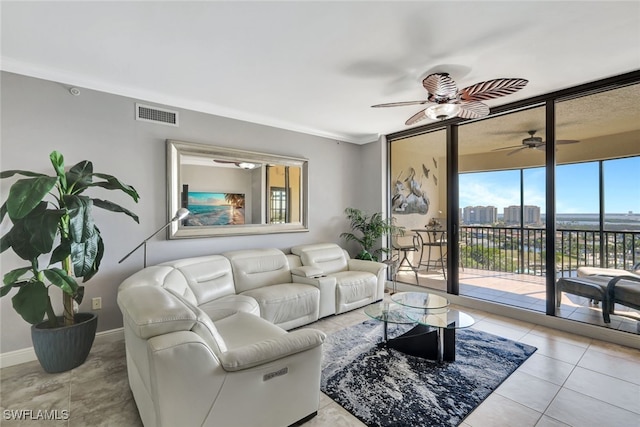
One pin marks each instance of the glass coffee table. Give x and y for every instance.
(422, 301)
(433, 337)
(445, 322)
(390, 313)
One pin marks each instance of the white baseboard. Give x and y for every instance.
(24, 355)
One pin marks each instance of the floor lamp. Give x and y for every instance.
(181, 214)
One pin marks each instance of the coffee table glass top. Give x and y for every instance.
(421, 300)
(446, 319)
(390, 312)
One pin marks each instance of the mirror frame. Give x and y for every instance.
(177, 148)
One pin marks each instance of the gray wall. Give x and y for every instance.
(40, 116)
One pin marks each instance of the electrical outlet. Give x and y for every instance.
(96, 303)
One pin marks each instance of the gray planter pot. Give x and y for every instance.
(66, 347)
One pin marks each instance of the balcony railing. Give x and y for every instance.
(523, 250)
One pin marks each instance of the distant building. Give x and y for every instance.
(531, 215)
(480, 215)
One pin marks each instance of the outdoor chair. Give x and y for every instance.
(405, 245)
(609, 285)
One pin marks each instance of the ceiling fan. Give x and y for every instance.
(449, 102)
(534, 142)
(241, 165)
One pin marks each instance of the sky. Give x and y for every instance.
(203, 198)
(576, 187)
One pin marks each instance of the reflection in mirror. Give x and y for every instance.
(234, 192)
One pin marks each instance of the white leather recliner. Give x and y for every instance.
(356, 282)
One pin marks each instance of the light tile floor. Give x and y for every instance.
(570, 381)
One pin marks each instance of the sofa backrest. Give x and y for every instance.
(328, 257)
(150, 311)
(255, 268)
(208, 277)
(198, 280)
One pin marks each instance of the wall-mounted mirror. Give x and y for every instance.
(234, 192)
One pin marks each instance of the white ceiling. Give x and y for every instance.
(316, 67)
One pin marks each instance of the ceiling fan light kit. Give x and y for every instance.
(449, 102)
(443, 111)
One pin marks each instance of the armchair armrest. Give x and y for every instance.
(269, 350)
(616, 279)
(363, 265)
(306, 271)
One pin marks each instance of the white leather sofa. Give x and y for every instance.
(207, 342)
(199, 354)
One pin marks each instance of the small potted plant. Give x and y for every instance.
(51, 217)
(370, 229)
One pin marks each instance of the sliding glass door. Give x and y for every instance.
(501, 196)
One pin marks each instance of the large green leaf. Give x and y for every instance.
(20, 244)
(78, 297)
(96, 263)
(4, 290)
(5, 242)
(57, 160)
(42, 227)
(13, 276)
(61, 252)
(31, 301)
(83, 255)
(110, 206)
(113, 183)
(3, 211)
(79, 177)
(61, 279)
(26, 194)
(10, 173)
(81, 225)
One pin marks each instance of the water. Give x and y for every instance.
(209, 215)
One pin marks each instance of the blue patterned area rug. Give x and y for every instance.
(383, 387)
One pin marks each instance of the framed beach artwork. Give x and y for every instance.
(213, 208)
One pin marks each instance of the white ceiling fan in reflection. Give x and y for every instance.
(534, 143)
(240, 164)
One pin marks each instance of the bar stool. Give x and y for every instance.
(435, 238)
(403, 248)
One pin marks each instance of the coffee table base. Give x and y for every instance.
(424, 341)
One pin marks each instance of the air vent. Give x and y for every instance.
(147, 113)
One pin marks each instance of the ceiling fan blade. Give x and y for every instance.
(507, 148)
(416, 118)
(524, 147)
(400, 104)
(492, 89)
(473, 110)
(440, 85)
(566, 141)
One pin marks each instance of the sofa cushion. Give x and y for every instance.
(353, 287)
(285, 302)
(208, 277)
(162, 276)
(230, 304)
(328, 257)
(256, 268)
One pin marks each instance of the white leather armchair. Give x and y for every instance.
(357, 282)
(186, 370)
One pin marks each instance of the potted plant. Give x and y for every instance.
(370, 228)
(51, 216)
